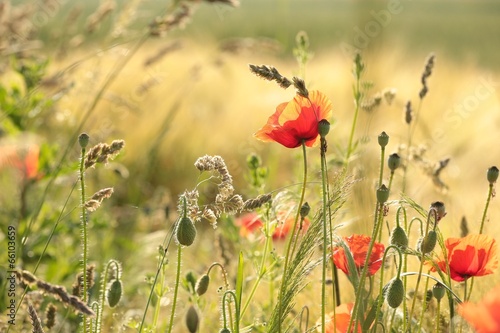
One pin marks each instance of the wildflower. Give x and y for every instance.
(24, 158)
(338, 321)
(472, 255)
(297, 121)
(251, 222)
(485, 315)
(358, 244)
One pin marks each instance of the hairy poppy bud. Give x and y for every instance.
(492, 174)
(395, 293)
(192, 319)
(382, 194)
(202, 284)
(427, 243)
(186, 232)
(114, 293)
(398, 237)
(394, 161)
(383, 139)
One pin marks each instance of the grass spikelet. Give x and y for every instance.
(50, 316)
(103, 11)
(270, 73)
(255, 203)
(35, 320)
(95, 201)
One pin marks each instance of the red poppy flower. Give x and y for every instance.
(473, 255)
(23, 158)
(358, 244)
(297, 121)
(250, 222)
(485, 315)
(338, 323)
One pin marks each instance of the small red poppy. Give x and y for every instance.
(358, 244)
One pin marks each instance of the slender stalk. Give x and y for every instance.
(424, 305)
(357, 102)
(176, 288)
(325, 234)
(289, 245)
(438, 310)
(84, 236)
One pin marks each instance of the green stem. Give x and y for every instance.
(424, 305)
(490, 194)
(289, 245)
(325, 234)
(357, 102)
(84, 237)
(437, 315)
(176, 288)
(103, 290)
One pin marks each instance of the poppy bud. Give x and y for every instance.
(395, 293)
(186, 232)
(192, 319)
(225, 330)
(202, 284)
(83, 140)
(427, 243)
(383, 139)
(304, 210)
(492, 174)
(382, 194)
(114, 293)
(394, 161)
(438, 291)
(439, 208)
(323, 127)
(398, 237)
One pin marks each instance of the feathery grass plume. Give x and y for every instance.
(95, 201)
(304, 262)
(35, 320)
(50, 316)
(408, 113)
(161, 25)
(300, 85)
(271, 74)
(102, 152)
(103, 11)
(464, 228)
(389, 95)
(162, 52)
(255, 203)
(372, 103)
(425, 75)
(56, 291)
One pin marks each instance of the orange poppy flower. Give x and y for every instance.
(358, 244)
(473, 255)
(24, 158)
(297, 121)
(341, 322)
(485, 315)
(250, 222)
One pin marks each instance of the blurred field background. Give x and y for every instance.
(190, 93)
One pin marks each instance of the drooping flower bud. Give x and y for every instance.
(323, 127)
(114, 293)
(492, 174)
(382, 194)
(192, 319)
(394, 161)
(202, 284)
(186, 232)
(383, 139)
(427, 243)
(398, 237)
(395, 293)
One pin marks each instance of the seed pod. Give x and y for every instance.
(114, 293)
(492, 174)
(186, 232)
(383, 139)
(398, 237)
(438, 291)
(225, 330)
(382, 194)
(192, 319)
(83, 140)
(304, 210)
(202, 284)
(395, 293)
(428, 243)
(323, 127)
(440, 209)
(394, 161)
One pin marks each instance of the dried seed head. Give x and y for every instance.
(383, 139)
(252, 204)
(389, 95)
(83, 140)
(408, 113)
(300, 85)
(427, 72)
(271, 74)
(114, 293)
(192, 319)
(438, 291)
(428, 295)
(35, 320)
(382, 194)
(492, 174)
(323, 127)
(202, 284)
(398, 237)
(50, 316)
(395, 293)
(186, 232)
(464, 228)
(394, 161)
